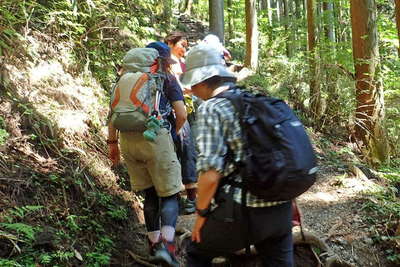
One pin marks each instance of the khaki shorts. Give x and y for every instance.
(152, 163)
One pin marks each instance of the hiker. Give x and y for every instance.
(178, 44)
(218, 229)
(153, 166)
(214, 41)
(184, 143)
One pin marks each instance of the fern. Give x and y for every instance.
(23, 211)
(27, 230)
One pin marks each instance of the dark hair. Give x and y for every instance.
(174, 37)
(216, 81)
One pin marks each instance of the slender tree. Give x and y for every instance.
(328, 20)
(297, 9)
(216, 11)
(230, 19)
(314, 88)
(269, 7)
(287, 11)
(189, 7)
(262, 5)
(397, 11)
(336, 17)
(278, 10)
(369, 92)
(167, 12)
(251, 35)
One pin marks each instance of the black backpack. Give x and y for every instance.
(279, 162)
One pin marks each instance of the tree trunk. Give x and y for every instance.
(278, 10)
(397, 11)
(269, 11)
(167, 13)
(189, 5)
(298, 21)
(297, 9)
(216, 10)
(286, 7)
(182, 6)
(230, 19)
(315, 94)
(251, 35)
(329, 21)
(369, 92)
(262, 5)
(336, 15)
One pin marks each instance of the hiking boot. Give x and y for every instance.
(164, 253)
(189, 206)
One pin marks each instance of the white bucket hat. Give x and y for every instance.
(202, 62)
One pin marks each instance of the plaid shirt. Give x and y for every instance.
(219, 128)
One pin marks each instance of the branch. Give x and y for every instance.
(343, 69)
(140, 259)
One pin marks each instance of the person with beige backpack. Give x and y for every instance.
(141, 105)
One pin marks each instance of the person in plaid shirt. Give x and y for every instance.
(218, 229)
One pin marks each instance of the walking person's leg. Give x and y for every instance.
(277, 251)
(152, 216)
(273, 240)
(169, 215)
(189, 175)
(166, 176)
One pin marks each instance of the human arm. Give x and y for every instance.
(175, 97)
(212, 125)
(180, 114)
(112, 141)
(227, 54)
(206, 187)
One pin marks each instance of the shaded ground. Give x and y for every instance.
(332, 210)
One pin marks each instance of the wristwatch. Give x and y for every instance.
(203, 212)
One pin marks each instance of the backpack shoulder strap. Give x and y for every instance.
(236, 98)
(234, 94)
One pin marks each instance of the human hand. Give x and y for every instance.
(197, 228)
(114, 154)
(183, 133)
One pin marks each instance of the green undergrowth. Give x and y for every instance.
(56, 209)
(99, 32)
(384, 212)
(52, 234)
(61, 204)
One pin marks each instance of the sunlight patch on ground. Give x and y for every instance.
(320, 196)
(358, 185)
(347, 187)
(72, 121)
(44, 71)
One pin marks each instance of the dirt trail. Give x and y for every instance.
(332, 210)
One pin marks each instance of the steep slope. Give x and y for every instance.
(60, 202)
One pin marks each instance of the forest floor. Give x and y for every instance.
(332, 209)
